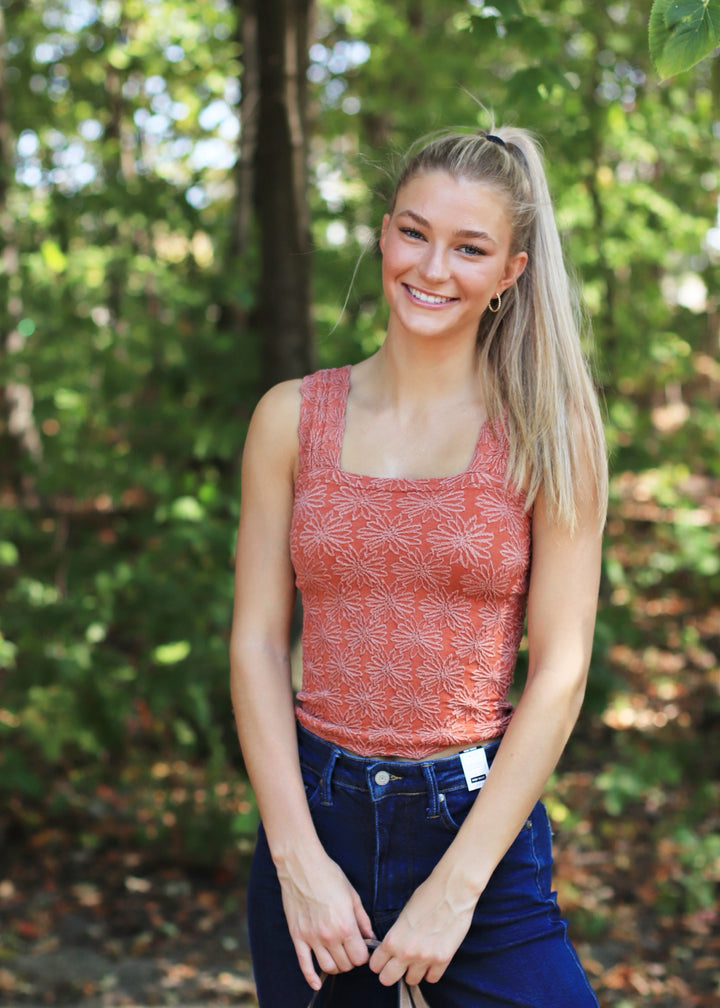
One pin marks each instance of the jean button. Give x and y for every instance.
(382, 777)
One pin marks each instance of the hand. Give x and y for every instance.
(425, 937)
(325, 917)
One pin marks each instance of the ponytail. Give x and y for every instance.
(536, 378)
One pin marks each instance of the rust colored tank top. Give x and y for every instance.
(413, 591)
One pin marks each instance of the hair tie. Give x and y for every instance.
(495, 139)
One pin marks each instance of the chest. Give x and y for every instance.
(420, 446)
(466, 537)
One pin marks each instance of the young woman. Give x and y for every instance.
(426, 503)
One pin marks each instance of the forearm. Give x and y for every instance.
(527, 756)
(562, 603)
(324, 914)
(436, 919)
(263, 703)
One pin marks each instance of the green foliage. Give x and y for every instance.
(640, 785)
(117, 545)
(648, 776)
(682, 33)
(131, 323)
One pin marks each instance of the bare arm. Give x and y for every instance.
(562, 604)
(323, 911)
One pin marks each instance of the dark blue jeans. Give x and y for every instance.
(387, 824)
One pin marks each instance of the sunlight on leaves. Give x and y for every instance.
(9, 554)
(187, 509)
(682, 33)
(171, 654)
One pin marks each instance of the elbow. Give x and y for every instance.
(560, 691)
(242, 663)
(577, 696)
(254, 657)
(235, 653)
(235, 659)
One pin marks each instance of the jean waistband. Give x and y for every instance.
(393, 776)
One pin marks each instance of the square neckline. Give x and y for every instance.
(486, 429)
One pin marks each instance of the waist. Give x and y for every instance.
(430, 758)
(394, 773)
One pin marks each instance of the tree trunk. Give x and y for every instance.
(247, 29)
(280, 193)
(17, 396)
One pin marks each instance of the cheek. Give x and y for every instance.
(478, 279)
(387, 272)
(392, 257)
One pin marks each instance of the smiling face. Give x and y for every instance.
(446, 253)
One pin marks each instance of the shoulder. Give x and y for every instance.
(277, 408)
(273, 432)
(278, 413)
(283, 398)
(325, 384)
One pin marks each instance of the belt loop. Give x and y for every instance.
(325, 792)
(432, 790)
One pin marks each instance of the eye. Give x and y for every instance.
(412, 233)
(472, 250)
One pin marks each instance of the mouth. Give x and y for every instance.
(427, 299)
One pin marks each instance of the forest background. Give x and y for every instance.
(186, 189)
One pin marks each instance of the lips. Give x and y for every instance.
(428, 299)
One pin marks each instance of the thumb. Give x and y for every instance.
(362, 918)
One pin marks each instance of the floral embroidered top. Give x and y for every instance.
(413, 591)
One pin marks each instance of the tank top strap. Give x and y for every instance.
(492, 449)
(322, 417)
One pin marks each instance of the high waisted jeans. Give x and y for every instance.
(387, 823)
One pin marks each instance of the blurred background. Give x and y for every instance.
(190, 192)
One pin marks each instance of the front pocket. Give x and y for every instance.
(524, 871)
(313, 786)
(454, 807)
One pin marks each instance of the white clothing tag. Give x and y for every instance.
(475, 767)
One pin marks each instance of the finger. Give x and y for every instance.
(304, 957)
(393, 971)
(356, 949)
(417, 972)
(362, 918)
(326, 960)
(343, 962)
(378, 960)
(434, 973)
(388, 968)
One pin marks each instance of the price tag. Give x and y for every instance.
(475, 767)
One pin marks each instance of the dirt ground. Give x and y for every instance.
(118, 930)
(116, 927)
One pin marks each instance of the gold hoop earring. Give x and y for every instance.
(496, 308)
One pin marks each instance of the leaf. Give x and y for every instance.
(681, 33)
(187, 509)
(53, 256)
(9, 554)
(538, 81)
(508, 9)
(171, 654)
(27, 929)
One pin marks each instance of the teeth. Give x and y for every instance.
(428, 298)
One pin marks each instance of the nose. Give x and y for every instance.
(434, 264)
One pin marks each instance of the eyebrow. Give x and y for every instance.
(463, 233)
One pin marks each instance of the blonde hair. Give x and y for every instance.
(531, 349)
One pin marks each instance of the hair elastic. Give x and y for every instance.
(495, 139)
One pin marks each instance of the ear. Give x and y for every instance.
(513, 269)
(383, 232)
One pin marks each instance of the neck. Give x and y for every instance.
(433, 371)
